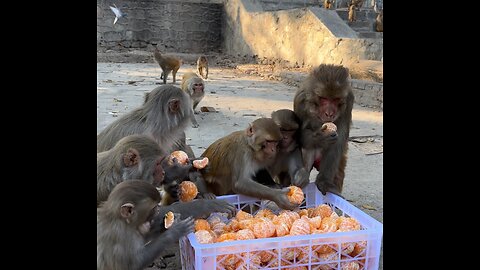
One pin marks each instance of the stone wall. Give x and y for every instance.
(305, 36)
(173, 25)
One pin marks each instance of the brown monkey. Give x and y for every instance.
(136, 157)
(235, 158)
(164, 116)
(357, 3)
(352, 13)
(325, 96)
(124, 239)
(202, 67)
(195, 88)
(167, 63)
(288, 168)
(327, 4)
(379, 22)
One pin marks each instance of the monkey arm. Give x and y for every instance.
(298, 174)
(249, 187)
(159, 243)
(197, 208)
(196, 177)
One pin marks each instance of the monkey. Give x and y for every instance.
(202, 67)
(165, 114)
(288, 168)
(235, 158)
(167, 63)
(379, 22)
(195, 88)
(135, 157)
(327, 4)
(351, 13)
(325, 96)
(124, 222)
(357, 3)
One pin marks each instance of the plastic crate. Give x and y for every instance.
(196, 256)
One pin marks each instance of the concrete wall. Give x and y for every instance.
(175, 25)
(309, 36)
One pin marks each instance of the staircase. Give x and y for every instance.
(364, 24)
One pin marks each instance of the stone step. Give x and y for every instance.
(368, 34)
(362, 14)
(361, 24)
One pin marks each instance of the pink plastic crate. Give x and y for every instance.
(196, 256)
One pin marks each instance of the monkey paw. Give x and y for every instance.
(207, 196)
(325, 187)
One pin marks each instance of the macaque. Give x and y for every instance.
(124, 223)
(164, 116)
(379, 22)
(202, 67)
(167, 63)
(288, 167)
(195, 88)
(357, 3)
(325, 96)
(135, 157)
(327, 4)
(235, 158)
(351, 13)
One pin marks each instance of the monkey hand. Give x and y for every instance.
(325, 186)
(216, 205)
(182, 227)
(207, 196)
(281, 199)
(329, 138)
(301, 178)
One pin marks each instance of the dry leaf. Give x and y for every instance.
(369, 207)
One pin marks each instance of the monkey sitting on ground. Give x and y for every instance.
(379, 22)
(136, 157)
(288, 167)
(202, 67)
(124, 222)
(164, 116)
(235, 158)
(194, 86)
(167, 63)
(325, 96)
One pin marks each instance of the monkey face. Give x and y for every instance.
(198, 88)
(328, 109)
(287, 138)
(269, 149)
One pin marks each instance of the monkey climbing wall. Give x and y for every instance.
(173, 25)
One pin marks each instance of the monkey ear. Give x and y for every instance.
(131, 158)
(174, 105)
(126, 210)
(249, 131)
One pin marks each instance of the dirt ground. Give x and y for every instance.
(239, 96)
